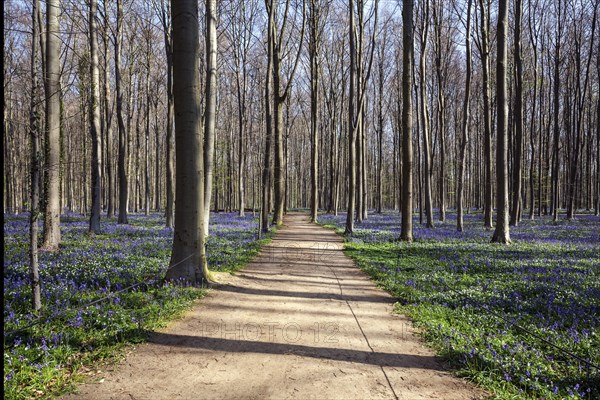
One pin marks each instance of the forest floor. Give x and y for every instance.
(300, 321)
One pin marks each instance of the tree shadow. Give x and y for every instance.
(237, 345)
(384, 298)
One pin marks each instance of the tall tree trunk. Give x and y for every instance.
(166, 23)
(556, 100)
(210, 106)
(484, 27)
(147, 131)
(314, 101)
(465, 126)
(518, 146)
(279, 161)
(266, 173)
(157, 153)
(441, 106)
(188, 259)
(597, 206)
(380, 95)
(351, 128)
(425, 115)
(108, 119)
(502, 231)
(53, 89)
(533, 34)
(122, 168)
(34, 275)
(96, 171)
(406, 233)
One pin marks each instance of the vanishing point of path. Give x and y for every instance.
(299, 322)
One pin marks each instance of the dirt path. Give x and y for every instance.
(300, 322)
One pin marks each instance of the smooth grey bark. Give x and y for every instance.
(465, 126)
(406, 232)
(188, 258)
(123, 133)
(34, 132)
(314, 48)
(351, 129)
(515, 210)
(533, 129)
(441, 78)
(170, 195)
(147, 127)
(597, 206)
(556, 105)
(502, 231)
(210, 106)
(484, 27)
(108, 113)
(424, 112)
(380, 122)
(96, 170)
(53, 89)
(157, 156)
(266, 172)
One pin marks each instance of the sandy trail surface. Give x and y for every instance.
(299, 322)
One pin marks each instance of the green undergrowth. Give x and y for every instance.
(101, 294)
(496, 314)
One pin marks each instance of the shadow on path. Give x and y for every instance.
(330, 353)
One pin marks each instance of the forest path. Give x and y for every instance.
(299, 322)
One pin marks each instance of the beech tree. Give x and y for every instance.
(502, 231)
(34, 129)
(406, 233)
(96, 170)
(52, 161)
(465, 125)
(122, 166)
(188, 258)
(210, 105)
(280, 89)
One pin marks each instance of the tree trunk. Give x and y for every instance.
(518, 147)
(147, 133)
(502, 232)
(425, 115)
(556, 97)
(533, 126)
(351, 129)
(34, 275)
(406, 233)
(441, 107)
(314, 101)
(266, 174)
(52, 79)
(210, 106)
(465, 127)
(123, 185)
(279, 161)
(166, 23)
(108, 120)
(188, 259)
(96, 172)
(484, 27)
